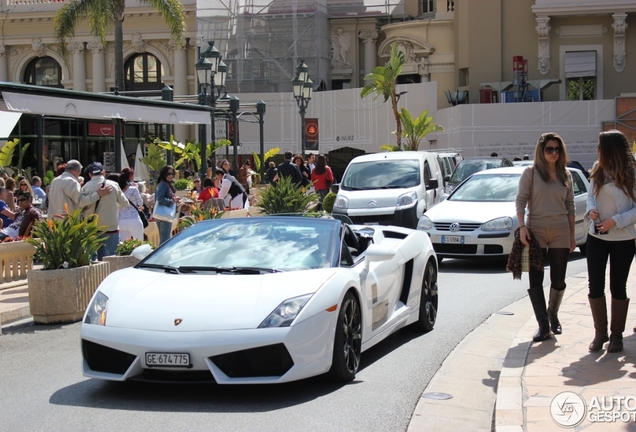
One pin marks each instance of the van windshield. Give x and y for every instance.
(386, 174)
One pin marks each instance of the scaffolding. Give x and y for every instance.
(262, 40)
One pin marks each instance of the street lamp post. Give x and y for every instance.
(207, 67)
(234, 107)
(260, 110)
(302, 87)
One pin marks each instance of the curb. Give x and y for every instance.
(508, 415)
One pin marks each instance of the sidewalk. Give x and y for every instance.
(510, 387)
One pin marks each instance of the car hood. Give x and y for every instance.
(152, 300)
(470, 211)
(374, 198)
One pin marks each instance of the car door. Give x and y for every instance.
(580, 186)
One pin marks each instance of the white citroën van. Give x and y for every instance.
(389, 188)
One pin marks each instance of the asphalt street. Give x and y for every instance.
(43, 388)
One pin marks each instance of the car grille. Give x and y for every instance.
(455, 248)
(104, 359)
(272, 360)
(173, 376)
(378, 219)
(445, 226)
(493, 249)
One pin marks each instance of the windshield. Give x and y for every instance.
(272, 243)
(386, 174)
(498, 188)
(467, 168)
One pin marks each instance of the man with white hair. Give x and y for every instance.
(65, 189)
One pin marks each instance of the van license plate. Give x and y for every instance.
(453, 239)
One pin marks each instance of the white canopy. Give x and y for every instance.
(93, 109)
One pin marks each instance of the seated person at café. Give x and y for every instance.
(6, 215)
(27, 215)
(208, 191)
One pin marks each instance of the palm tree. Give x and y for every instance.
(416, 129)
(102, 15)
(383, 82)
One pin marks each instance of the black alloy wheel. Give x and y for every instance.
(347, 341)
(428, 299)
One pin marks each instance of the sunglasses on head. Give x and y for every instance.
(551, 150)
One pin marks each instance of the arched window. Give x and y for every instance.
(143, 72)
(43, 71)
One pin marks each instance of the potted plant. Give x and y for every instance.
(61, 290)
(123, 254)
(284, 196)
(199, 215)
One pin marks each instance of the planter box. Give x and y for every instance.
(120, 262)
(62, 296)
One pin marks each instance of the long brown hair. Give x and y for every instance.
(541, 164)
(614, 158)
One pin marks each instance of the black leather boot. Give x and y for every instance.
(617, 325)
(599, 315)
(537, 298)
(553, 309)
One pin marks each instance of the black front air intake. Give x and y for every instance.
(104, 359)
(272, 360)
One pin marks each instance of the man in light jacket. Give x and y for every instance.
(65, 189)
(106, 208)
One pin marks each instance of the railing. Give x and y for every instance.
(16, 258)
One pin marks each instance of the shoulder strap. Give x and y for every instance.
(99, 199)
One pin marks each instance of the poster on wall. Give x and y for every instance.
(109, 161)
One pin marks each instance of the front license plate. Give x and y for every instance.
(453, 239)
(167, 360)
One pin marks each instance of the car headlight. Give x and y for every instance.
(96, 312)
(424, 223)
(407, 199)
(341, 202)
(286, 312)
(499, 224)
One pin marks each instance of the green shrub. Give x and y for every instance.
(68, 241)
(327, 202)
(182, 184)
(284, 196)
(127, 246)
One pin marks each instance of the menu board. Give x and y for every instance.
(109, 161)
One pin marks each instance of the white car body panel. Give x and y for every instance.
(220, 313)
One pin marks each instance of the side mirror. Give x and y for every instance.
(141, 252)
(379, 253)
(433, 184)
(334, 188)
(447, 178)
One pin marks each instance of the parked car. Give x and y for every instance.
(467, 167)
(571, 164)
(221, 302)
(479, 218)
(447, 163)
(389, 188)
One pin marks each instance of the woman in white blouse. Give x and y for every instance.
(130, 224)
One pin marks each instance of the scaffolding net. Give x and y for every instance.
(262, 41)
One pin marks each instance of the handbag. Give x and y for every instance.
(142, 215)
(165, 213)
(525, 250)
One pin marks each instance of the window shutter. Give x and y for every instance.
(580, 64)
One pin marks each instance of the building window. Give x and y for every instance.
(580, 75)
(143, 72)
(428, 6)
(43, 71)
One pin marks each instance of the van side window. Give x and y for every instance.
(427, 174)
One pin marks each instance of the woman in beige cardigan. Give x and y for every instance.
(552, 223)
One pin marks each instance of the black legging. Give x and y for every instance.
(558, 267)
(621, 254)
